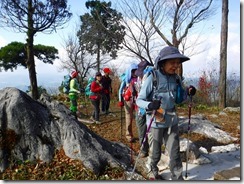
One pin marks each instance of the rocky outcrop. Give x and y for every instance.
(202, 126)
(34, 130)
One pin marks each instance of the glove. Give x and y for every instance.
(134, 93)
(121, 104)
(154, 105)
(191, 90)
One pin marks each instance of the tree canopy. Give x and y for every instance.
(30, 17)
(14, 55)
(101, 30)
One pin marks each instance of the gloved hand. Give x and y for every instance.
(121, 104)
(191, 90)
(134, 93)
(154, 105)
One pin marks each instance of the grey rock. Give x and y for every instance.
(231, 109)
(206, 128)
(39, 128)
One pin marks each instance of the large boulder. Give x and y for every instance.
(34, 130)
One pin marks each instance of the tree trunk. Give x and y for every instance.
(31, 67)
(223, 55)
(98, 57)
(30, 53)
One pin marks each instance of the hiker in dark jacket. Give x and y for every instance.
(96, 89)
(162, 100)
(143, 68)
(107, 90)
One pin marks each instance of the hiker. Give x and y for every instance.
(127, 95)
(107, 90)
(143, 68)
(95, 97)
(162, 99)
(74, 90)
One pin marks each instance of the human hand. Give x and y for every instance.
(191, 90)
(134, 93)
(154, 105)
(121, 104)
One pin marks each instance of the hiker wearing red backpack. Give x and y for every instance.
(127, 97)
(107, 90)
(74, 90)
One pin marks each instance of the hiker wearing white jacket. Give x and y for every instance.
(162, 98)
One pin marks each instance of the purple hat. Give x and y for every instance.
(141, 67)
(170, 52)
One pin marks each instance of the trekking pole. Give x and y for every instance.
(188, 132)
(144, 140)
(121, 123)
(131, 129)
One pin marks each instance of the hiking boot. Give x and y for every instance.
(75, 115)
(143, 155)
(130, 140)
(91, 118)
(98, 122)
(153, 174)
(175, 178)
(103, 113)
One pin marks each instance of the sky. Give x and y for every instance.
(204, 61)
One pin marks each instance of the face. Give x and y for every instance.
(99, 77)
(170, 66)
(133, 73)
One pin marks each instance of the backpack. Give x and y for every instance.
(65, 84)
(129, 91)
(179, 90)
(88, 91)
(122, 77)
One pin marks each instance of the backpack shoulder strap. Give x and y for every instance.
(155, 81)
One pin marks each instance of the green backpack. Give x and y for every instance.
(65, 84)
(88, 91)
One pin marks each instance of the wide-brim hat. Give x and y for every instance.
(141, 67)
(170, 52)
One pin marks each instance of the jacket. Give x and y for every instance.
(106, 83)
(166, 91)
(74, 86)
(127, 80)
(97, 89)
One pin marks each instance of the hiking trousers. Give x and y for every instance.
(142, 129)
(129, 115)
(73, 102)
(96, 111)
(171, 141)
(105, 103)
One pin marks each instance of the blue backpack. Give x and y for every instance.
(65, 84)
(88, 91)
